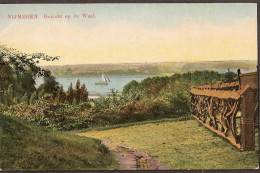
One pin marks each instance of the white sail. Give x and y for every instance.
(107, 80)
(103, 78)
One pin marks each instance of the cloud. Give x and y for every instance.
(134, 42)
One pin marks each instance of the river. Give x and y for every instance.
(118, 81)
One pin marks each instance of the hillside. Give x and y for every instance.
(26, 146)
(180, 145)
(154, 67)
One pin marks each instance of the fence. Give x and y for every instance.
(229, 109)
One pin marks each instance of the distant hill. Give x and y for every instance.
(155, 67)
(221, 66)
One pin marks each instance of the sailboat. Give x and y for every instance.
(104, 80)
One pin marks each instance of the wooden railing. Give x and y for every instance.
(229, 109)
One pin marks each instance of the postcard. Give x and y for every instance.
(128, 86)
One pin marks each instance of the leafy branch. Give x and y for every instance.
(21, 62)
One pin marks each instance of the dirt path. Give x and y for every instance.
(131, 159)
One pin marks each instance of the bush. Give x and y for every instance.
(152, 98)
(136, 111)
(3, 108)
(61, 117)
(160, 107)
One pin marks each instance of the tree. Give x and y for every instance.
(6, 74)
(131, 85)
(74, 102)
(77, 84)
(77, 91)
(34, 97)
(10, 94)
(41, 93)
(19, 69)
(230, 76)
(50, 85)
(20, 62)
(61, 97)
(26, 83)
(5, 98)
(84, 93)
(69, 98)
(25, 99)
(16, 100)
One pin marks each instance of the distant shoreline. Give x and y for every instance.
(149, 63)
(152, 68)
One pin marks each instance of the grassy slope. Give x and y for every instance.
(181, 145)
(115, 126)
(25, 146)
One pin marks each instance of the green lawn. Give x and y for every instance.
(181, 145)
(26, 146)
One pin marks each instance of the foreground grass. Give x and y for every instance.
(115, 126)
(181, 145)
(25, 146)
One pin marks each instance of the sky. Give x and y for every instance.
(129, 33)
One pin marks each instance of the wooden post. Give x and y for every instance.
(247, 121)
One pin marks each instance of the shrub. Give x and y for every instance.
(136, 111)
(160, 107)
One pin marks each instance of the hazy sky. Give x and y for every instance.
(134, 32)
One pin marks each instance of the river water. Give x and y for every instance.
(117, 81)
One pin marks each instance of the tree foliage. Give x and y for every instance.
(19, 70)
(50, 105)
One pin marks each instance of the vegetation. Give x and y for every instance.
(157, 98)
(153, 68)
(26, 146)
(17, 72)
(19, 97)
(181, 145)
(51, 106)
(152, 98)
